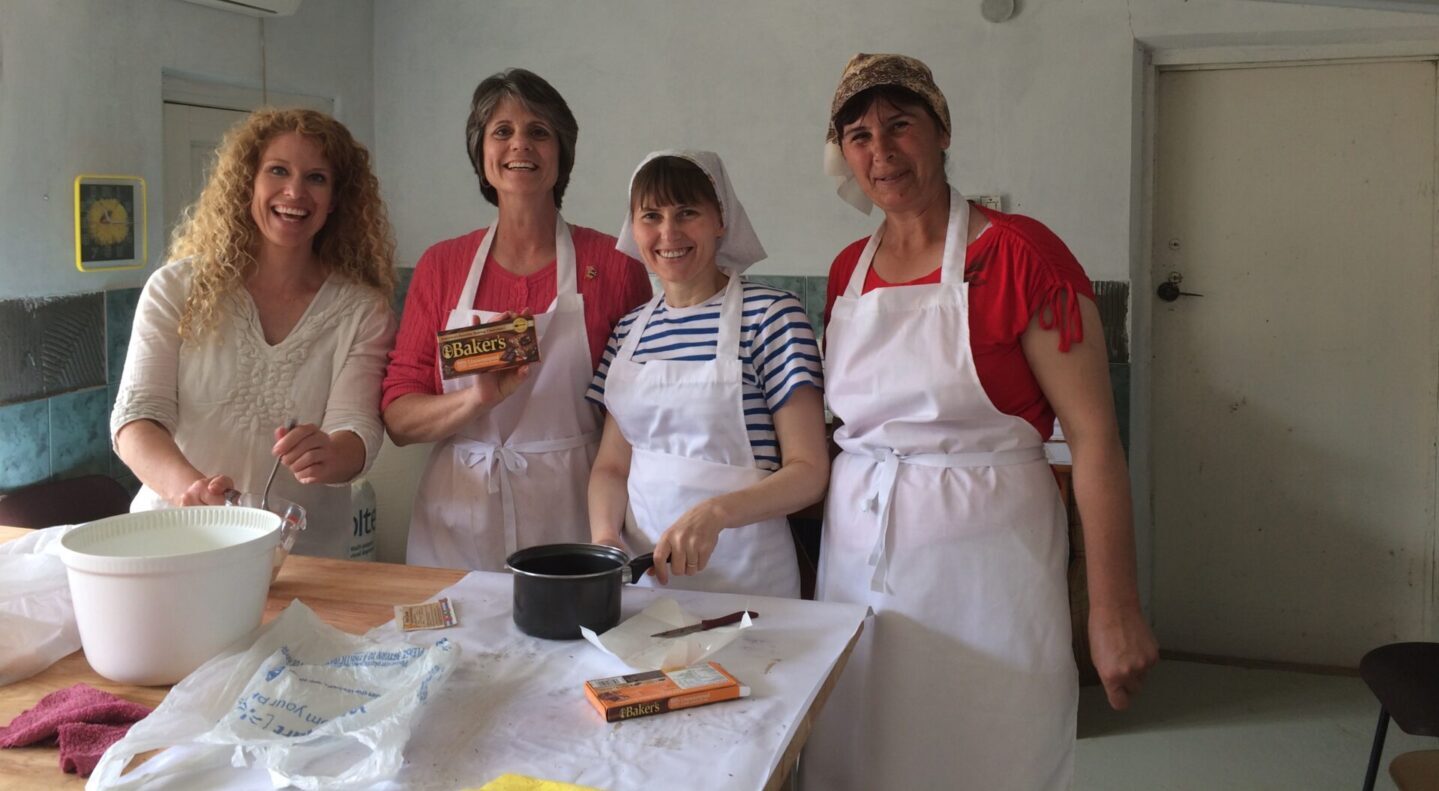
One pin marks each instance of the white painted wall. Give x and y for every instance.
(1048, 109)
(80, 93)
(1047, 106)
(1043, 105)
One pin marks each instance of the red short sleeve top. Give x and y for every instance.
(1016, 269)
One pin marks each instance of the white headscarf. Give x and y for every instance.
(739, 247)
(845, 184)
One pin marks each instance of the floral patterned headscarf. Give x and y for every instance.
(865, 71)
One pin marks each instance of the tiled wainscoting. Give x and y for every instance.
(62, 359)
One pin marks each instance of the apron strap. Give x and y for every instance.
(477, 267)
(956, 238)
(731, 311)
(881, 495)
(855, 287)
(566, 279)
(951, 264)
(504, 460)
(632, 338)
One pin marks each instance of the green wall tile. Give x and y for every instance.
(119, 318)
(79, 439)
(814, 293)
(403, 276)
(24, 444)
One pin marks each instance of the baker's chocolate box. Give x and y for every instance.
(658, 691)
(497, 346)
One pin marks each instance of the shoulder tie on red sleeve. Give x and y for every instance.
(1061, 311)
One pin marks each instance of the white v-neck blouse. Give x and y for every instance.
(223, 395)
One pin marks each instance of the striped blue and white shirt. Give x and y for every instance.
(776, 345)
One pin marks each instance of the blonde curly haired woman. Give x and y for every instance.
(274, 307)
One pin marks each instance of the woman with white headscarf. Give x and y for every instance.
(715, 423)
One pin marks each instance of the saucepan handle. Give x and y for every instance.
(637, 567)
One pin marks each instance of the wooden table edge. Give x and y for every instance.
(796, 744)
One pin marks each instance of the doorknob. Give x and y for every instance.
(1169, 290)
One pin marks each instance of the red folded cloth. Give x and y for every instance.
(82, 744)
(85, 720)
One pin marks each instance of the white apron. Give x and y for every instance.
(519, 475)
(684, 420)
(944, 517)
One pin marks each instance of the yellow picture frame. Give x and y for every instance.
(111, 231)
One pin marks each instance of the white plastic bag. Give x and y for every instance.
(36, 616)
(314, 706)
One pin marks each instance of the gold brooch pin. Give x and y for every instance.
(590, 273)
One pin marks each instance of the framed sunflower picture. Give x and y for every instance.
(110, 228)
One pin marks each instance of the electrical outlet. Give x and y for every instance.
(995, 202)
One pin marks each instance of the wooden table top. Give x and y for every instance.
(349, 595)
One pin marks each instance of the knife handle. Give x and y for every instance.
(726, 620)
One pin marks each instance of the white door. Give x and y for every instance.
(191, 136)
(1295, 403)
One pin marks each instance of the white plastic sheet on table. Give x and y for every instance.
(516, 703)
(37, 618)
(297, 703)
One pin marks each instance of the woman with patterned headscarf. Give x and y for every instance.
(955, 335)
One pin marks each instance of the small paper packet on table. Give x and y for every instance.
(632, 642)
(437, 614)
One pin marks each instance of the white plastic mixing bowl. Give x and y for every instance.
(157, 593)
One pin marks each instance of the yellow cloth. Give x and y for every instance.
(512, 782)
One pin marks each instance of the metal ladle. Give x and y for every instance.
(265, 497)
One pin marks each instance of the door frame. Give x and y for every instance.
(1226, 51)
(179, 89)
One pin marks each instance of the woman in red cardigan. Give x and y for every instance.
(511, 465)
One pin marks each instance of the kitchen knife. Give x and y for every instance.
(723, 620)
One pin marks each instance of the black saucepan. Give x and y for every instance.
(561, 587)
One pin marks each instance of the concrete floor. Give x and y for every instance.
(1200, 727)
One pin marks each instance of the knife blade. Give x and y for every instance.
(712, 623)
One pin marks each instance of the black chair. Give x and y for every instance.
(1405, 679)
(66, 502)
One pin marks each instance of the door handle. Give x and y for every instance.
(1169, 290)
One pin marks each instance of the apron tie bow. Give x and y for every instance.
(502, 461)
(493, 456)
(879, 500)
(881, 494)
